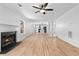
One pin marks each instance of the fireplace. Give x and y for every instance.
(8, 40)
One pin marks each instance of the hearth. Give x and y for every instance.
(8, 40)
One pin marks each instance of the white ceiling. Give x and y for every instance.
(28, 11)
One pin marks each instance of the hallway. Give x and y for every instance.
(43, 45)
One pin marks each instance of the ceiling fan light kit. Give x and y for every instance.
(42, 11)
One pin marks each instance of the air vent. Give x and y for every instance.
(69, 34)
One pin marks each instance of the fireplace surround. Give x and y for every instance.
(7, 41)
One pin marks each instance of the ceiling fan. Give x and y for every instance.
(42, 8)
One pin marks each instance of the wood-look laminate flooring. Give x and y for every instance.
(43, 45)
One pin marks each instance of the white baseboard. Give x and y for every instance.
(70, 42)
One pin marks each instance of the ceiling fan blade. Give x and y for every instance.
(19, 4)
(45, 5)
(48, 9)
(41, 7)
(37, 11)
(35, 7)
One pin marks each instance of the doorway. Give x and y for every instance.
(40, 28)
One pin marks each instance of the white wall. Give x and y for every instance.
(69, 22)
(7, 16)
